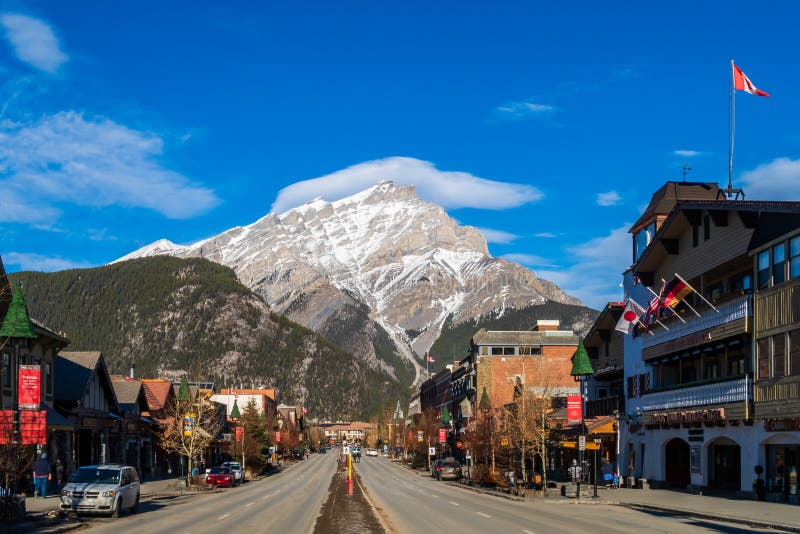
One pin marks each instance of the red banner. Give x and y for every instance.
(277, 436)
(442, 435)
(29, 387)
(6, 426)
(239, 433)
(574, 408)
(33, 427)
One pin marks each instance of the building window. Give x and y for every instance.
(778, 264)
(735, 362)
(741, 283)
(6, 369)
(711, 366)
(794, 257)
(642, 238)
(706, 227)
(48, 378)
(763, 269)
(485, 351)
(779, 355)
(497, 351)
(763, 357)
(509, 351)
(794, 353)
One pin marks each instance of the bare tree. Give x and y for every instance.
(192, 423)
(526, 417)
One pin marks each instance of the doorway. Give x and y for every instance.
(724, 459)
(676, 463)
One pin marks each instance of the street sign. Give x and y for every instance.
(345, 450)
(431, 451)
(581, 443)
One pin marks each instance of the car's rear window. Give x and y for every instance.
(219, 470)
(95, 476)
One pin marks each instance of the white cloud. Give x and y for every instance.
(776, 180)
(38, 262)
(688, 153)
(66, 158)
(594, 277)
(530, 260)
(610, 198)
(522, 110)
(497, 236)
(34, 41)
(546, 235)
(449, 189)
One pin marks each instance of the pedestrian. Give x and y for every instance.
(41, 474)
(59, 469)
(608, 477)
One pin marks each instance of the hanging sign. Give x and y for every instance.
(574, 408)
(33, 427)
(188, 424)
(420, 436)
(442, 435)
(29, 387)
(277, 435)
(239, 433)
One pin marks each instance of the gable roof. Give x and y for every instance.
(75, 371)
(157, 393)
(663, 200)
(129, 393)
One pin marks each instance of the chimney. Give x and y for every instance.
(133, 367)
(546, 325)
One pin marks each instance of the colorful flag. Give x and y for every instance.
(628, 319)
(653, 310)
(742, 83)
(675, 292)
(430, 358)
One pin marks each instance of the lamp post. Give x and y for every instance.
(581, 371)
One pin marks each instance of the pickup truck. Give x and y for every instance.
(236, 470)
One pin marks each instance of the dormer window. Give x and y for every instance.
(642, 238)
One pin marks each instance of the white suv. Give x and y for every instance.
(104, 489)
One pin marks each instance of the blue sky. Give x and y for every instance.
(547, 127)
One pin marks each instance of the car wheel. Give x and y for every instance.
(115, 511)
(135, 507)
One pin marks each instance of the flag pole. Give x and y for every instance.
(697, 292)
(641, 309)
(731, 131)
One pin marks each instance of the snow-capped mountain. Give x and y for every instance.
(403, 262)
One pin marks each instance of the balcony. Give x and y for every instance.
(606, 406)
(723, 392)
(736, 309)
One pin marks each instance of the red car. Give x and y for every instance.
(220, 477)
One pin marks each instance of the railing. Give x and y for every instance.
(600, 407)
(738, 308)
(778, 306)
(736, 390)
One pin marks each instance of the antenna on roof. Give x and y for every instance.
(685, 169)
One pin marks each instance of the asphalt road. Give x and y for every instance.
(286, 502)
(412, 503)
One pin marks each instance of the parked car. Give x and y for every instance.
(371, 452)
(322, 450)
(236, 470)
(447, 469)
(297, 454)
(220, 477)
(102, 489)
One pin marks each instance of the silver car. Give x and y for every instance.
(102, 489)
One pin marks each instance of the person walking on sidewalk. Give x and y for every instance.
(41, 474)
(59, 469)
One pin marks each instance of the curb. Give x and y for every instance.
(713, 517)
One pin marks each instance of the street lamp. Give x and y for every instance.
(581, 371)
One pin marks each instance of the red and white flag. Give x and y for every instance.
(628, 319)
(742, 83)
(430, 358)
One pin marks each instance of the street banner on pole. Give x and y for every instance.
(29, 387)
(420, 436)
(442, 435)
(573, 408)
(239, 433)
(277, 436)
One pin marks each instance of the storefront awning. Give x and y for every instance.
(603, 426)
(590, 445)
(56, 421)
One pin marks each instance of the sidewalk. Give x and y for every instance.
(741, 511)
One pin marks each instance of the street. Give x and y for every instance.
(444, 507)
(287, 502)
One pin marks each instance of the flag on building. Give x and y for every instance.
(628, 319)
(742, 83)
(675, 292)
(653, 310)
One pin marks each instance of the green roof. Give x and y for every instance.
(235, 411)
(581, 366)
(17, 323)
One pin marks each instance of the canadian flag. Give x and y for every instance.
(430, 358)
(742, 83)
(628, 319)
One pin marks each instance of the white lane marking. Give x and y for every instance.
(249, 504)
(484, 515)
(434, 496)
(265, 497)
(454, 503)
(223, 516)
(527, 532)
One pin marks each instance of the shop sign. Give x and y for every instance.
(573, 408)
(694, 459)
(29, 387)
(442, 435)
(789, 424)
(688, 416)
